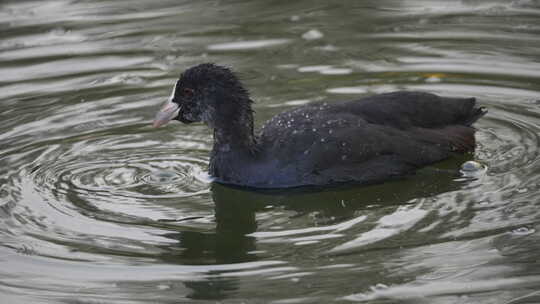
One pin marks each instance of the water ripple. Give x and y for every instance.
(96, 206)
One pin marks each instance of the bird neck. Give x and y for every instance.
(235, 146)
(234, 132)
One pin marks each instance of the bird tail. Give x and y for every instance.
(474, 113)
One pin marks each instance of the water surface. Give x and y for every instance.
(98, 207)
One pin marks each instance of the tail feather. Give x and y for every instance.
(474, 115)
(455, 138)
(459, 135)
(460, 138)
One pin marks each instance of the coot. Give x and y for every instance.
(363, 141)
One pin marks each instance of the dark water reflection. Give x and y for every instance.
(98, 207)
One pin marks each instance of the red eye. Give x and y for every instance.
(188, 92)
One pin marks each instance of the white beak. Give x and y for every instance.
(168, 112)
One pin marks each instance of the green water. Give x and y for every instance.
(98, 207)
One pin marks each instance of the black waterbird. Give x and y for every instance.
(363, 141)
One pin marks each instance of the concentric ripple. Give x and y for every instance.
(77, 190)
(105, 174)
(147, 174)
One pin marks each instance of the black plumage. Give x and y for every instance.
(369, 140)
